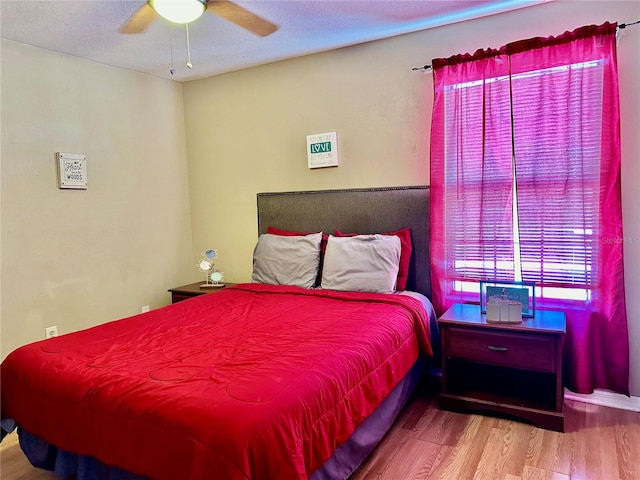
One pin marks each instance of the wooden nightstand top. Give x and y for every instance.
(549, 321)
(191, 290)
(196, 289)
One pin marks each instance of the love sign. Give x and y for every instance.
(322, 150)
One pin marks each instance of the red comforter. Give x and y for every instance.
(253, 382)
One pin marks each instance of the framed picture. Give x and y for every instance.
(322, 150)
(72, 170)
(523, 292)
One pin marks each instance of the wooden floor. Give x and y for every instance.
(426, 443)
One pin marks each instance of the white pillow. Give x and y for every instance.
(364, 263)
(285, 260)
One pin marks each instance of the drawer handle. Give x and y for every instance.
(497, 349)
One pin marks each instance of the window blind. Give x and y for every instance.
(479, 226)
(557, 141)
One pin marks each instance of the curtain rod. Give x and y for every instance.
(618, 28)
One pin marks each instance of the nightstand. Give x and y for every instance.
(193, 290)
(513, 369)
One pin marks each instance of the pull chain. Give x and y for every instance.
(189, 65)
(172, 70)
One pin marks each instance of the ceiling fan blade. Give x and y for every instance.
(139, 21)
(241, 17)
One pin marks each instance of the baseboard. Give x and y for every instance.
(606, 398)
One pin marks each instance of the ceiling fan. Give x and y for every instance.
(186, 11)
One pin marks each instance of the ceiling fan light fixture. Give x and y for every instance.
(179, 11)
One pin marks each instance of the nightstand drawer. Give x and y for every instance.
(507, 349)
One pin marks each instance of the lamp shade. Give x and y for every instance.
(179, 11)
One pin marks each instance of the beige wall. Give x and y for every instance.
(246, 133)
(246, 130)
(78, 258)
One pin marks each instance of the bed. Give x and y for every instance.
(257, 381)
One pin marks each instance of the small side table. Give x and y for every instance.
(513, 369)
(185, 292)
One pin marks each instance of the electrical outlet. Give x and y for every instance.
(51, 332)
(145, 308)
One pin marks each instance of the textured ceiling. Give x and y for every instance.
(89, 29)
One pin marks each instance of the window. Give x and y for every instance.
(525, 184)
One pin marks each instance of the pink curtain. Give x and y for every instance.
(536, 121)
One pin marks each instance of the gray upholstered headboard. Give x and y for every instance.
(367, 210)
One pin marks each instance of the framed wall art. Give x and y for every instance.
(523, 292)
(72, 170)
(322, 150)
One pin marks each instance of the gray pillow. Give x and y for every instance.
(287, 260)
(364, 263)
